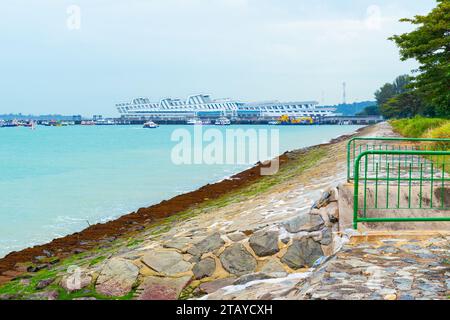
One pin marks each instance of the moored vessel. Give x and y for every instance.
(150, 125)
(194, 121)
(222, 121)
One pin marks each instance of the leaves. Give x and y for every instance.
(429, 44)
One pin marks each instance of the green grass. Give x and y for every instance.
(96, 260)
(417, 127)
(420, 127)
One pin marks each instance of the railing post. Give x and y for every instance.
(356, 191)
(348, 158)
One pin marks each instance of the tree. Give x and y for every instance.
(389, 90)
(401, 84)
(429, 44)
(370, 111)
(404, 105)
(386, 92)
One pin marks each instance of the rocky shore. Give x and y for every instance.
(265, 238)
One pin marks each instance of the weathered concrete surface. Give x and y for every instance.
(346, 192)
(391, 267)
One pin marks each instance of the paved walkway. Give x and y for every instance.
(403, 268)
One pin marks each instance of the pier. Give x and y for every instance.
(340, 120)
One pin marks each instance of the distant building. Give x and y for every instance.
(203, 106)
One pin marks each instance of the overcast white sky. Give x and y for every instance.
(244, 49)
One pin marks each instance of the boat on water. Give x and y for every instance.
(222, 121)
(9, 124)
(30, 124)
(150, 125)
(195, 121)
(87, 123)
(105, 122)
(51, 123)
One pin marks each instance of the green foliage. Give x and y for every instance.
(96, 260)
(398, 100)
(441, 132)
(134, 242)
(404, 105)
(429, 44)
(386, 92)
(417, 127)
(390, 90)
(370, 111)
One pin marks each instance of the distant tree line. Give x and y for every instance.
(427, 93)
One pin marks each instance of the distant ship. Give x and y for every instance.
(87, 123)
(104, 122)
(150, 125)
(9, 124)
(194, 121)
(222, 121)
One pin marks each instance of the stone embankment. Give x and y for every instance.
(279, 242)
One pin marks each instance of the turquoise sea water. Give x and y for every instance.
(55, 179)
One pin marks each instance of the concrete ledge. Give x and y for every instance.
(346, 191)
(373, 236)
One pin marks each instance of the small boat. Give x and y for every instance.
(222, 121)
(195, 121)
(105, 122)
(87, 123)
(30, 124)
(9, 124)
(150, 125)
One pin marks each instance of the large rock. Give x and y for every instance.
(178, 243)
(323, 201)
(213, 286)
(272, 266)
(327, 237)
(157, 288)
(302, 253)
(331, 212)
(252, 277)
(166, 262)
(237, 260)
(236, 236)
(117, 277)
(208, 244)
(304, 222)
(204, 268)
(264, 243)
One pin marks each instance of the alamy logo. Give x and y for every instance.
(73, 281)
(73, 21)
(233, 147)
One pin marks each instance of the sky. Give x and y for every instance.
(83, 57)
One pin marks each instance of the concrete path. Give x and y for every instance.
(393, 267)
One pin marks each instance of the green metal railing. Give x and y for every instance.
(410, 184)
(358, 145)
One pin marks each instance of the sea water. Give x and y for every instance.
(57, 180)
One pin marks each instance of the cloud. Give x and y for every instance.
(374, 19)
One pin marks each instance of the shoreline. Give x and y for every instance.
(133, 222)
